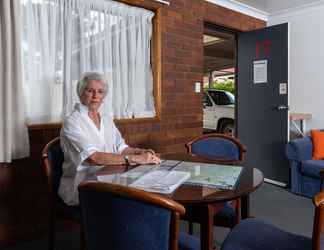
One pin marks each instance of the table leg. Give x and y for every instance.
(245, 207)
(206, 228)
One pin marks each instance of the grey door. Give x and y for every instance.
(262, 113)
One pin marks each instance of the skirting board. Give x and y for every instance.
(278, 183)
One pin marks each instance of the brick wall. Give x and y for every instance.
(182, 65)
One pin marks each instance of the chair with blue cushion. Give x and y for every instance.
(255, 234)
(53, 159)
(218, 147)
(304, 171)
(221, 149)
(124, 218)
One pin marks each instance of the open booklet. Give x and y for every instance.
(160, 181)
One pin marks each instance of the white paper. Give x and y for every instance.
(161, 181)
(260, 71)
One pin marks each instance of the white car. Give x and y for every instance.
(219, 111)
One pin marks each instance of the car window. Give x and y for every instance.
(206, 100)
(230, 98)
(215, 96)
(222, 97)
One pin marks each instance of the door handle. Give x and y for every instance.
(282, 107)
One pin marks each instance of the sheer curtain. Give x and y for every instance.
(64, 38)
(13, 131)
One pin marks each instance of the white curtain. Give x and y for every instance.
(64, 38)
(13, 131)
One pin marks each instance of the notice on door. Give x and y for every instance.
(260, 71)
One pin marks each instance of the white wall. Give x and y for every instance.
(306, 61)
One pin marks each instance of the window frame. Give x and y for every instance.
(156, 62)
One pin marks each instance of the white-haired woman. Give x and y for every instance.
(90, 140)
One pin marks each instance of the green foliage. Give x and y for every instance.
(227, 86)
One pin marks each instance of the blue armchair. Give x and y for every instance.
(255, 234)
(305, 172)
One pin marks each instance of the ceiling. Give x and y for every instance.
(271, 6)
(219, 51)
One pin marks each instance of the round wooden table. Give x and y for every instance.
(200, 201)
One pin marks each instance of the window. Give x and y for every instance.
(206, 100)
(61, 39)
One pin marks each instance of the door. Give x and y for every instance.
(262, 99)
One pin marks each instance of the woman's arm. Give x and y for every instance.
(101, 158)
(135, 151)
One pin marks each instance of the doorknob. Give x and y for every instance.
(282, 107)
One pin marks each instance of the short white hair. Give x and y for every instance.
(88, 76)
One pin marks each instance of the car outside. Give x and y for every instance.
(219, 111)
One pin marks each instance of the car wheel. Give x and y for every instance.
(228, 128)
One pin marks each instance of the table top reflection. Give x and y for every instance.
(249, 180)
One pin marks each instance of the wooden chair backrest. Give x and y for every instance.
(242, 148)
(318, 230)
(49, 165)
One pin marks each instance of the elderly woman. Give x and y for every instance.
(90, 140)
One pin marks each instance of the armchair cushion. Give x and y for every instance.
(188, 242)
(259, 235)
(318, 143)
(300, 149)
(312, 167)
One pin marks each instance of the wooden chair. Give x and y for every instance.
(221, 149)
(258, 235)
(123, 218)
(52, 161)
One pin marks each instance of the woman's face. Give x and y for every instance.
(93, 95)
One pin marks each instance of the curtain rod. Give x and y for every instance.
(163, 1)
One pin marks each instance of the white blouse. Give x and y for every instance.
(80, 138)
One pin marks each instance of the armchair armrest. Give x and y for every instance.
(300, 149)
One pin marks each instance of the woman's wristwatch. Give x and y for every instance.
(126, 159)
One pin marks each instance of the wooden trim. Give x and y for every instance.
(242, 148)
(211, 28)
(175, 228)
(48, 167)
(39, 126)
(150, 5)
(157, 61)
(133, 193)
(318, 230)
(58, 125)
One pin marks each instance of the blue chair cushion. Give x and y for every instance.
(216, 148)
(108, 219)
(56, 157)
(188, 242)
(226, 216)
(300, 149)
(254, 234)
(312, 167)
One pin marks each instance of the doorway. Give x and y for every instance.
(219, 79)
(259, 62)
